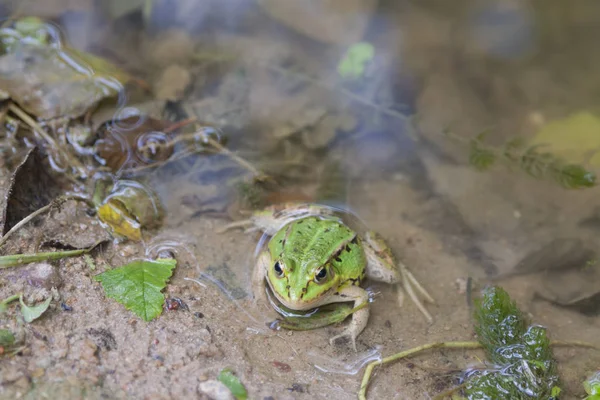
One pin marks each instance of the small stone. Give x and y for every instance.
(215, 390)
(43, 275)
(461, 285)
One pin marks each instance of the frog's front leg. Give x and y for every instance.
(382, 267)
(359, 318)
(259, 284)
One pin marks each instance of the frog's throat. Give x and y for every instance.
(301, 305)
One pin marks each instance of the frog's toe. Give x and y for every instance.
(347, 333)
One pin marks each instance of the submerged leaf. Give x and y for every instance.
(128, 207)
(49, 79)
(34, 312)
(354, 62)
(233, 383)
(138, 285)
(575, 139)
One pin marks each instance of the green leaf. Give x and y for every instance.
(354, 62)
(227, 378)
(138, 285)
(7, 338)
(34, 312)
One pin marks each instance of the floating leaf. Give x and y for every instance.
(354, 63)
(138, 285)
(227, 378)
(34, 312)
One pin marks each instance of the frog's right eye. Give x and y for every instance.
(278, 270)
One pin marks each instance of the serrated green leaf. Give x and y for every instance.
(34, 312)
(227, 378)
(138, 285)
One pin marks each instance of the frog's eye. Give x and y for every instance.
(278, 270)
(320, 275)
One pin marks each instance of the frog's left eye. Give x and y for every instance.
(278, 270)
(321, 275)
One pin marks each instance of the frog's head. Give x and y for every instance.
(301, 285)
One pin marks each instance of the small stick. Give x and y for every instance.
(15, 260)
(55, 203)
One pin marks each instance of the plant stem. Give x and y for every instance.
(14, 260)
(362, 393)
(10, 299)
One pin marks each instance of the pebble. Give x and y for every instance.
(215, 390)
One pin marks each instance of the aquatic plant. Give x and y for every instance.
(523, 365)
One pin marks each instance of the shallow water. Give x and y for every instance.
(376, 148)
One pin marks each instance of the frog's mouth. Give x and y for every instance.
(299, 304)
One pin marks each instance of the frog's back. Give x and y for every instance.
(312, 241)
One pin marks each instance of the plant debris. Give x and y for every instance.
(31, 313)
(233, 383)
(133, 142)
(138, 285)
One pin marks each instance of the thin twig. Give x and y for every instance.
(54, 203)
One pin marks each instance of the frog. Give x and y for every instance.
(314, 259)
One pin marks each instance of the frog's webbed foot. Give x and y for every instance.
(359, 317)
(381, 266)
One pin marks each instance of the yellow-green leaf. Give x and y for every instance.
(575, 139)
(138, 285)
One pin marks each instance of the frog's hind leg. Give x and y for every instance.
(382, 267)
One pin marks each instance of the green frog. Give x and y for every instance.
(313, 259)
